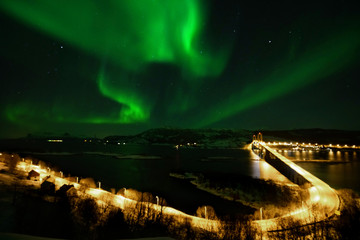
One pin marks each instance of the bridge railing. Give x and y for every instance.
(323, 198)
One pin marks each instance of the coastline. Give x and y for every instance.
(193, 179)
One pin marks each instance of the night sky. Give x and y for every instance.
(120, 67)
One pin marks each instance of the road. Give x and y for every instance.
(322, 203)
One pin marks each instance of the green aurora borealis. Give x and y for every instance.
(124, 66)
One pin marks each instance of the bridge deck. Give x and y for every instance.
(322, 196)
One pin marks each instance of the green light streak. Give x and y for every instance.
(130, 33)
(133, 34)
(323, 61)
(28, 113)
(133, 108)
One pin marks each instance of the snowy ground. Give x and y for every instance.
(13, 236)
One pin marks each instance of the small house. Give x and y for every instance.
(48, 187)
(34, 176)
(66, 190)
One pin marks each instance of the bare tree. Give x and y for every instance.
(88, 215)
(12, 161)
(207, 212)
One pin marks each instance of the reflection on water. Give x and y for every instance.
(267, 172)
(263, 170)
(150, 174)
(340, 169)
(328, 155)
(337, 175)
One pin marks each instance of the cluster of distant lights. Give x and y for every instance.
(124, 143)
(311, 145)
(186, 145)
(55, 140)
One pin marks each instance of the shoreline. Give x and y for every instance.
(115, 155)
(318, 161)
(212, 191)
(193, 180)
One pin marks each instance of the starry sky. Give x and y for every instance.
(121, 66)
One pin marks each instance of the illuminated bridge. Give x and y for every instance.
(323, 200)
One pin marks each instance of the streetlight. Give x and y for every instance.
(99, 185)
(261, 213)
(157, 200)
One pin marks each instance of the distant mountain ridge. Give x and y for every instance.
(225, 138)
(188, 137)
(315, 135)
